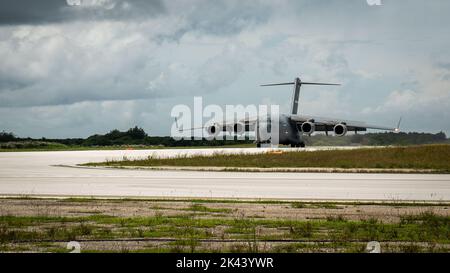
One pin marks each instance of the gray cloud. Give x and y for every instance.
(119, 60)
(443, 65)
(65, 73)
(219, 17)
(211, 17)
(79, 70)
(16, 12)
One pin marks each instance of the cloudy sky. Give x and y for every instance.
(72, 71)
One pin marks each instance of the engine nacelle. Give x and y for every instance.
(238, 128)
(308, 128)
(340, 129)
(213, 130)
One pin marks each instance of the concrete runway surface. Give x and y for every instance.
(36, 173)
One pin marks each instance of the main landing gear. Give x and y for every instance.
(301, 145)
(298, 145)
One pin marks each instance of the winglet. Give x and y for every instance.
(397, 129)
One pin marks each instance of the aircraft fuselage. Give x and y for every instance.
(288, 132)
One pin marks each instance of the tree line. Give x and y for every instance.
(133, 136)
(137, 136)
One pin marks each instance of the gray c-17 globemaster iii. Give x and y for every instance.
(292, 126)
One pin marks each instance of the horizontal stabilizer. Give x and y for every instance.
(291, 83)
(274, 84)
(319, 83)
(297, 84)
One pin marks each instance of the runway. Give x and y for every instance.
(36, 173)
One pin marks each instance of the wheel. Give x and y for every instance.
(302, 145)
(258, 145)
(293, 145)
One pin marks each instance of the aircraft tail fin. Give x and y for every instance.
(296, 94)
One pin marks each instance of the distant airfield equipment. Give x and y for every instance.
(292, 126)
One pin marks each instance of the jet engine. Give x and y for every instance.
(238, 128)
(213, 130)
(340, 129)
(308, 128)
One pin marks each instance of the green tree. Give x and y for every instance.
(6, 137)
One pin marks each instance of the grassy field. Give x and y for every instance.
(434, 157)
(46, 225)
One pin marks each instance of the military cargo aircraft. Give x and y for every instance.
(292, 126)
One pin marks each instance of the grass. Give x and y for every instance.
(191, 227)
(434, 157)
(422, 227)
(325, 205)
(294, 204)
(202, 208)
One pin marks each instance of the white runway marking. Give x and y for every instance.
(34, 173)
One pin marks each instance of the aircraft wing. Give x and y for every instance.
(248, 124)
(327, 124)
